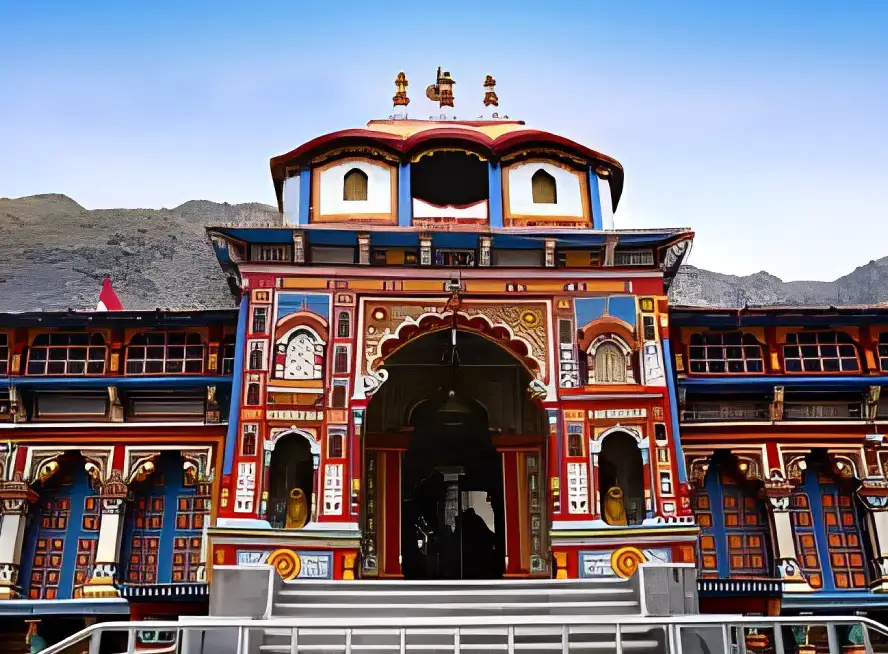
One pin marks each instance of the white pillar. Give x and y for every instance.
(15, 498)
(877, 523)
(784, 547)
(112, 500)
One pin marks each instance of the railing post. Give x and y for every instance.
(131, 640)
(778, 638)
(618, 638)
(245, 647)
(511, 637)
(95, 642)
(403, 645)
(348, 641)
(565, 640)
(294, 640)
(456, 647)
(832, 638)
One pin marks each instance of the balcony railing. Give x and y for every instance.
(822, 411)
(725, 411)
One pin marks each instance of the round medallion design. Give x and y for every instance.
(625, 561)
(286, 562)
(530, 319)
(379, 314)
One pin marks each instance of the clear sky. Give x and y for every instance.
(762, 125)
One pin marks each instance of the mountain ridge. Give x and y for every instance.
(54, 254)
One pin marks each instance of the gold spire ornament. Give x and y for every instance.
(401, 99)
(490, 99)
(442, 91)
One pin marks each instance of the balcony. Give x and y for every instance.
(725, 411)
(822, 411)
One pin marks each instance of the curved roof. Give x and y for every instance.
(401, 137)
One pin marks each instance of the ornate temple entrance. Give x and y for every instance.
(454, 463)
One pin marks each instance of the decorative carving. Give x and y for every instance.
(113, 493)
(297, 510)
(490, 97)
(625, 561)
(401, 83)
(442, 91)
(98, 464)
(521, 329)
(38, 468)
(286, 562)
(212, 409)
(114, 404)
(141, 465)
(537, 390)
(872, 401)
(355, 151)
(577, 488)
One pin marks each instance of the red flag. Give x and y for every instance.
(108, 300)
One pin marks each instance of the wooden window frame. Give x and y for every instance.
(842, 340)
(747, 343)
(882, 351)
(355, 173)
(542, 174)
(37, 345)
(167, 359)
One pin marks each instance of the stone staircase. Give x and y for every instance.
(393, 616)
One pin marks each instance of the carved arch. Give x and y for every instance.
(498, 333)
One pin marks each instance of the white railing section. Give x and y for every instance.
(690, 634)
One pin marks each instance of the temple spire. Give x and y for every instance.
(442, 91)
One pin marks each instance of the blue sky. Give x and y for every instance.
(761, 125)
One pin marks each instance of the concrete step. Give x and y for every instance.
(591, 638)
(628, 606)
(450, 595)
(465, 586)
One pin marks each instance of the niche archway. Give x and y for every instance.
(621, 479)
(291, 468)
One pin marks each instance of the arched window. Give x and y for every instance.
(291, 480)
(64, 521)
(78, 353)
(343, 329)
(354, 185)
(253, 394)
(300, 356)
(334, 445)
(610, 364)
(165, 524)
(165, 353)
(544, 190)
(621, 480)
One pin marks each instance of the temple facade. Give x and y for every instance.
(112, 432)
(783, 426)
(453, 364)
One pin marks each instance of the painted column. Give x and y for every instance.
(495, 194)
(16, 497)
(405, 202)
(595, 196)
(650, 502)
(355, 453)
(305, 196)
(233, 434)
(112, 499)
(556, 460)
(784, 546)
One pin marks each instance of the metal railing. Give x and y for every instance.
(692, 634)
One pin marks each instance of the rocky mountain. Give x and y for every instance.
(868, 284)
(54, 255)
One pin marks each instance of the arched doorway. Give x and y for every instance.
(291, 481)
(455, 440)
(621, 479)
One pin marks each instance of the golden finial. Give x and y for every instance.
(401, 99)
(490, 98)
(442, 91)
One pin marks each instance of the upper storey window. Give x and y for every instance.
(883, 351)
(820, 352)
(543, 188)
(165, 353)
(67, 354)
(725, 353)
(354, 186)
